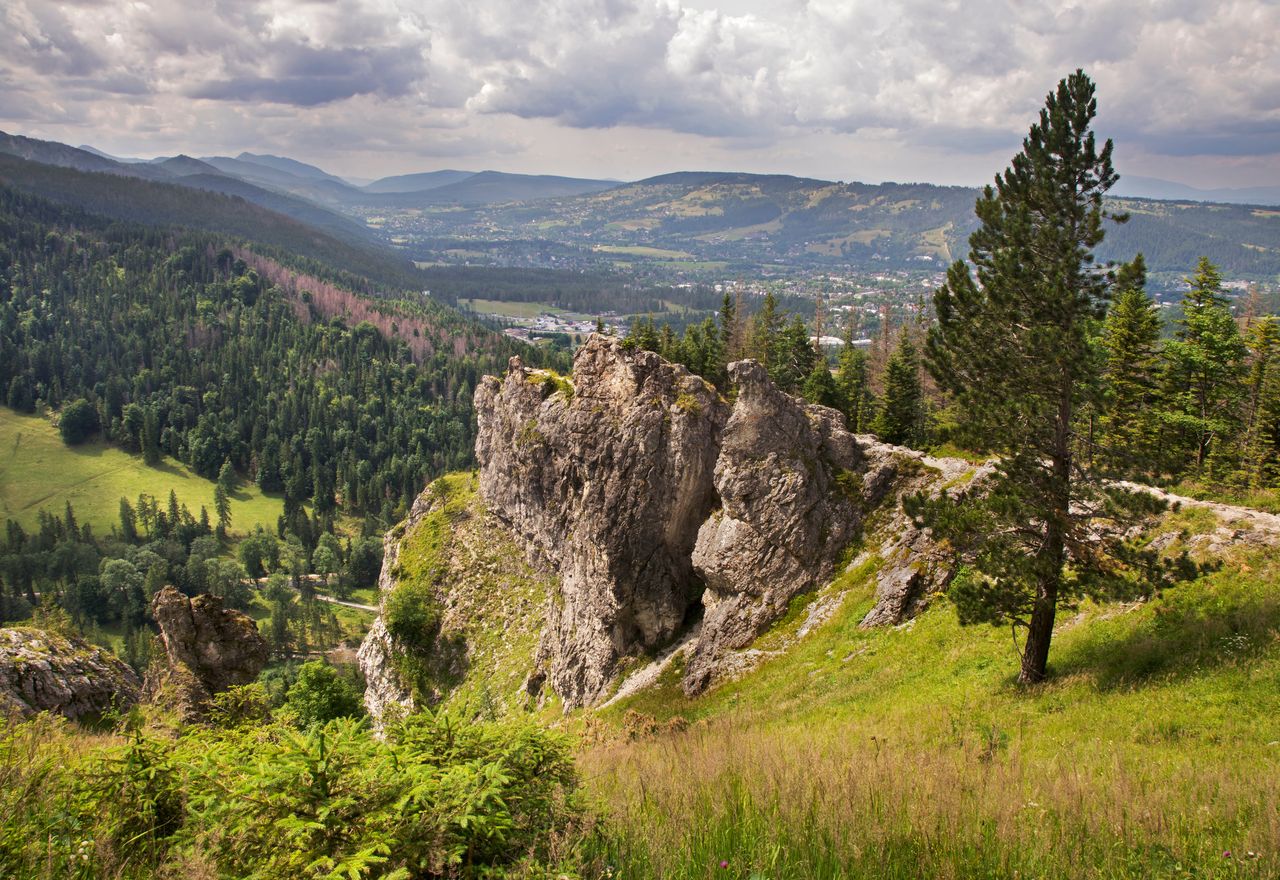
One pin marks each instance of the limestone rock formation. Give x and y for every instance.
(44, 672)
(790, 486)
(605, 478)
(636, 485)
(209, 648)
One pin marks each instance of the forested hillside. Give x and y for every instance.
(180, 347)
(318, 235)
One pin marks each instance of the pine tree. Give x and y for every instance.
(1262, 404)
(1128, 434)
(820, 387)
(856, 401)
(1204, 376)
(765, 325)
(128, 522)
(222, 505)
(901, 419)
(1014, 347)
(791, 358)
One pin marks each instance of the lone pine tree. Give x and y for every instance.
(1013, 346)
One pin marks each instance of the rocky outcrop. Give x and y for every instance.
(209, 648)
(652, 502)
(44, 672)
(605, 478)
(797, 490)
(789, 479)
(913, 567)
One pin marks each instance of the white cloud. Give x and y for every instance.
(495, 76)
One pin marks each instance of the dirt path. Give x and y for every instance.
(1230, 514)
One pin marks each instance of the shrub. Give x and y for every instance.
(320, 695)
(78, 422)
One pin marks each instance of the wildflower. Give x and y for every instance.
(724, 863)
(1226, 853)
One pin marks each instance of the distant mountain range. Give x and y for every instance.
(1154, 188)
(686, 221)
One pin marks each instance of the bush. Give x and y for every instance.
(78, 422)
(321, 695)
(436, 797)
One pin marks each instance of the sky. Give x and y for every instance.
(909, 90)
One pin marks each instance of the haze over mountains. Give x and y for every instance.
(676, 223)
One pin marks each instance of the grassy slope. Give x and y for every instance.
(492, 601)
(38, 471)
(909, 752)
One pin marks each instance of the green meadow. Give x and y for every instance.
(39, 472)
(1152, 751)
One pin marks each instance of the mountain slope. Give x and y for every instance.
(290, 166)
(749, 221)
(495, 187)
(167, 204)
(404, 183)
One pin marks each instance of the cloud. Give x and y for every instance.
(936, 77)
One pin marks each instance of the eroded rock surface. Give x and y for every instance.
(789, 479)
(44, 672)
(651, 500)
(209, 648)
(605, 479)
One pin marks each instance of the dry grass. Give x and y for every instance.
(844, 802)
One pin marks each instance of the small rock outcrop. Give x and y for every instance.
(209, 648)
(45, 672)
(913, 567)
(605, 478)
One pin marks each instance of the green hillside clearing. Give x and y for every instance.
(1153, 751)
(39, 472)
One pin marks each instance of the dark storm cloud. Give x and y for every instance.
(307, 77)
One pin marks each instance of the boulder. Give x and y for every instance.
(208, 648)
(44, 672)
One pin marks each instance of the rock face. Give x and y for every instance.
(44, 672)
(790, 486)
(209, 648)
(652, 501)
(605, 480)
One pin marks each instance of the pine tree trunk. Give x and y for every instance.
(1035, 655)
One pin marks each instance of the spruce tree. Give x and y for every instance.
(901, 419)
(1013, 345)
(792, 357)
(1262, 404)
(765, 325)
(1128, 435)
(856, 400)
(1204, 376)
